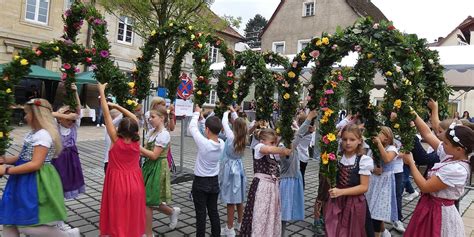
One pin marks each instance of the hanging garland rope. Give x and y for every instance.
(71, 55)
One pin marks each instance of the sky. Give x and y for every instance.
(429, 19)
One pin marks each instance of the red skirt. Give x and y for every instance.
(426, 219)
(346, 216)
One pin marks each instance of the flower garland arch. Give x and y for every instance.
(71, 55)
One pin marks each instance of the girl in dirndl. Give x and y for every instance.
(381, 195)
(347, 213)
(435, 214)
(232, 179)
(68, 163)
(156, 172)
(262, 215)
(33, 199)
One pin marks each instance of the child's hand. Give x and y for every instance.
(407, 158)
(112, 105)
(73, 87)
(171, 109)
(377, 170)
(2, 169)
(101, 86)
(376, 140)
(197, 108)
(231, 108)
(335, 192)
(432, 104)
(311, 115)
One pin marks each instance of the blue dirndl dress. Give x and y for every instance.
(232, 179)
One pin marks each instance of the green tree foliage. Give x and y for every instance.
(253, 28)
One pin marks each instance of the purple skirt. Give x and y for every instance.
(69, 168)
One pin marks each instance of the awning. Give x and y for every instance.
(38, 72)
(86, 78)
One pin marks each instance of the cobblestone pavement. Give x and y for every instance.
(83, 212)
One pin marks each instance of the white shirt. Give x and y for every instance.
(451, 173)
(209, 152)
(66, 131)
(366, 164)
(303, 147)
(108, 142)
(41, 138)
(162, 138)
(397, 161)
(259, 155)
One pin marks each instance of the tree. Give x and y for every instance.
(253, 29)
(151, 14)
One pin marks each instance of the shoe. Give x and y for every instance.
(318, 228)
(98, 125)
(227, 232)
(386, 233)
(398, 225)
(102, 125)
(411, 196)
(63, 226)
(237, 226)
(174, 217)
(73, 232)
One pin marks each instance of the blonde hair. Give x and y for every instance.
(157, 101)
(114, 113)
(267, 134)
(386, 131)
(40, 110)
(161, 112)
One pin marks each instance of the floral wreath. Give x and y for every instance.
(71, 55)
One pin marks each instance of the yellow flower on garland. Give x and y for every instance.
(286, 96)
(325, 40)
(193, 37)
(203, 60)
(199, 45)
(56, 48)
(8, 91)
(388, 74)
(130, 102)
(1, 134)
(319, 42)
(171, 24)
(333, 84)
(397, 104)
(24, 62)
(234, 96)
(190, 27)
(131, 84)
(153, 33)
(277, 130)
(369, 55)
(291, 75)
(331, 137)
(397, 126)
(199, 92)
(407, 82)
(324, 119)
(16, 57)
(328, 112)
(303, 57)
(75, 51)
(325, 158)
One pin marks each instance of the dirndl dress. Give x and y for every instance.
(232, 179)
(69, 167)
(382, 196)
(35, 198)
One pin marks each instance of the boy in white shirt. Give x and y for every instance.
(205, 189)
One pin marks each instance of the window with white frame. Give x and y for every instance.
(279, 47)
(125, 30)
(212, 97)
(302, 44)
(213, 54)
(37, 11)
(308, 9)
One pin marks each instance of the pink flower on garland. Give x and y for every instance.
(326, 140)
(230, 82)
(93, 66)
(67, 13)
(294, 64)
(98, 21)
(67, 66)
(104, 53)
(332, 156)
(77, 70)
(334, 47)
(63, 77)
(93, 50)
(230, 74)
(323, 101)
(89, 60)
(340, 77)
(38, 52)
(329, 92)
(308, 98)
(357, 48)
(314, 54)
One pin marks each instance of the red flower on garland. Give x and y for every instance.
(391, 27)
(230, 82)
(230, 74)
(38, 52)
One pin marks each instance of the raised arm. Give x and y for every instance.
(304, 128)
(105, 109)
(172, 118)
(387, 156)
(225, 124)
(194, 130)
(433, 184)
(433, 105)
(78, 100)
(426, 133)
(123, 110)
(70, 116)
(274, 150)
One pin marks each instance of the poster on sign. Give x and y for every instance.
(185, 88)
(183, 107)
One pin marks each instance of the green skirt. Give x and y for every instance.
(156, 175)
